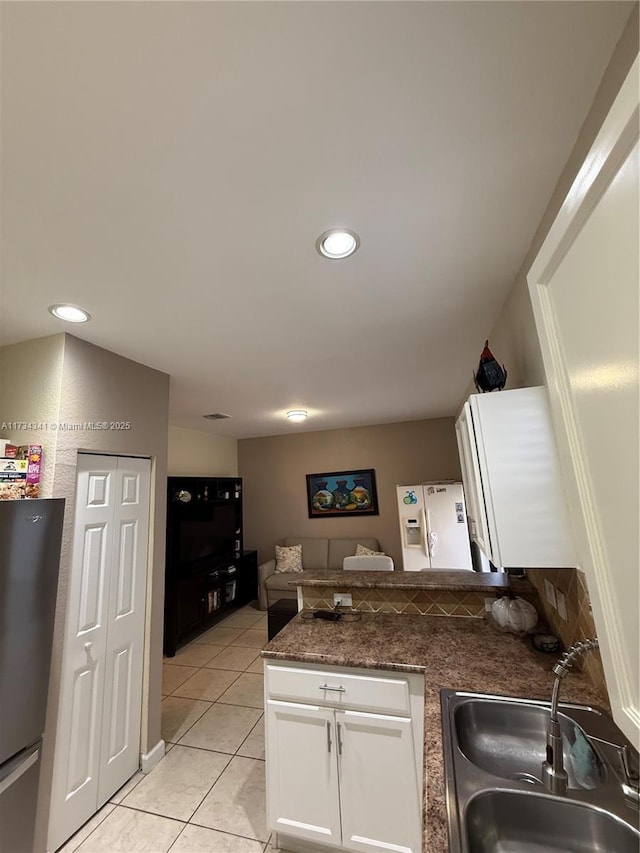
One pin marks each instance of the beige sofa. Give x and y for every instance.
(317, 554)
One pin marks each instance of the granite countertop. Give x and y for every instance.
(454, 579)
(460, 654)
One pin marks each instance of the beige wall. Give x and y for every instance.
(513, 339)
(30, 383)
(274, 468)
(81, 382)
(193, 453)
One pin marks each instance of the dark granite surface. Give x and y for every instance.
(460, 654)
(471, 581)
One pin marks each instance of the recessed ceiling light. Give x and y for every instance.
(297, 415)
(337, 243)
(70, 313)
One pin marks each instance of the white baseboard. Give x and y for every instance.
(148, 760)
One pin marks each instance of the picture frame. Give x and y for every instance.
(342, 493)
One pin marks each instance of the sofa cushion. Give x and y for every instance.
(341, 548)
(280, 582)
(288, 558)
(361, 551)
(314, 551)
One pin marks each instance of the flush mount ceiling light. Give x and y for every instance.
(337, 243)
(297, 415)
(70, 313)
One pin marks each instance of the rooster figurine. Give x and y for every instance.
(490, 375)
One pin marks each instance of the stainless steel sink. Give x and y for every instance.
(493, 750)
(515, 822)
(508, 740)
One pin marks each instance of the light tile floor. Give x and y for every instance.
(207, 795)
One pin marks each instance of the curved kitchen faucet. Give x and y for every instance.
(554, 776)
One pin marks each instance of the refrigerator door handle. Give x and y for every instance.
(427, 532)
(431, 538)
(19, 771)
(433, 541)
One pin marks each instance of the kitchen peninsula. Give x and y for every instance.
(441, 593)
(444, 652)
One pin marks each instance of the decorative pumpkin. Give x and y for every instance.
(514, 614)
(499, 611)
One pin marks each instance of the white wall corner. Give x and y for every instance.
(148, 760)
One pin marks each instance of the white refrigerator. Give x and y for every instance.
(433, 527)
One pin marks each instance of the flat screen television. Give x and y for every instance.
(200, 533)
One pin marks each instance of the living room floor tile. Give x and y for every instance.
(120, 794)
(86, 829)
(206, 716)
(206, 684)
(241, 620)
(253, 744)
(173, 676)
(130, 831)
(254, 638)
(198, 839)
(233, 657)
(223, 728)
(217, 636)
(252, 607)
(247, 690)
(236, 803)
(179, 714)
(177, 785)
(195, 654)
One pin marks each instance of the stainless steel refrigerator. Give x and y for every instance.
(30, 537)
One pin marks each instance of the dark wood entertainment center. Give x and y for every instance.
(208, 573)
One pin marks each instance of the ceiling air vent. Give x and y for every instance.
(216, 416)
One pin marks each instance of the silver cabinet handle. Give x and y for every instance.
(88, 647)
(328, 736)
(335, 689)
(339, 739)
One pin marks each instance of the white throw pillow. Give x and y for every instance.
(361, 551)
(288, 558)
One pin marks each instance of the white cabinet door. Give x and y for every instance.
(98, 731)
(584, 291)
(380, 803)
(77, 756)
(120, 747)
(472, 482)
(524, 492)
(516, 497)
(302, 771)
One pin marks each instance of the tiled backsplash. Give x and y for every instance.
(571, 582)
(579, 622)
(434, 602)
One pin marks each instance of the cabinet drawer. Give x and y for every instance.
(382, 692)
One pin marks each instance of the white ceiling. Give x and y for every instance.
(169, 166)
